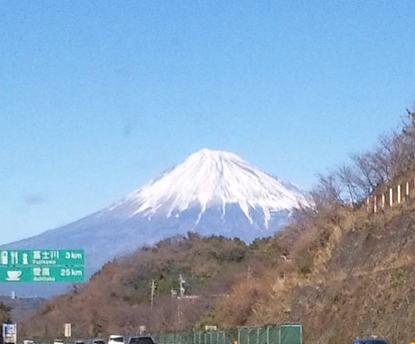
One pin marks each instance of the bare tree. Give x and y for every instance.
(347, 178)
(327, 192)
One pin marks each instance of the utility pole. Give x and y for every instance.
(153, 291)
(182, 290)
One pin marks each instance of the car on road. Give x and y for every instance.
(116, 339)
(141, 340)
(98, 341)
(58, 341)
(370, 340)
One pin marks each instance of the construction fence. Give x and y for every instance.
(284, 334)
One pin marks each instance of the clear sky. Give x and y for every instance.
(98, 97)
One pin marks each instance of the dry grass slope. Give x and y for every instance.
(348, 274)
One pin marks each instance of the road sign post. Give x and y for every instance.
(42, 266)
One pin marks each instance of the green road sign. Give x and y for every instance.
(42, 266)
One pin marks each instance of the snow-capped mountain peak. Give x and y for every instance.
(214, 178)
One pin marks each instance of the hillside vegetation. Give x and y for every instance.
(118, 297)
(351, 276)
(4, 313)
(338, 269)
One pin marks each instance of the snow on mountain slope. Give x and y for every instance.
(211, 192)
(214, 178)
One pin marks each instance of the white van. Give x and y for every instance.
(116, 339)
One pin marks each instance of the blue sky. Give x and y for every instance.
(98, 97)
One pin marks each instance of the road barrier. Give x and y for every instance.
(284, 334)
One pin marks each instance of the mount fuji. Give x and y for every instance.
(211, 192)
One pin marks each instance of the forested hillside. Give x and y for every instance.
(118, 298)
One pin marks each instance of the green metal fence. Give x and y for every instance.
(284, 334)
